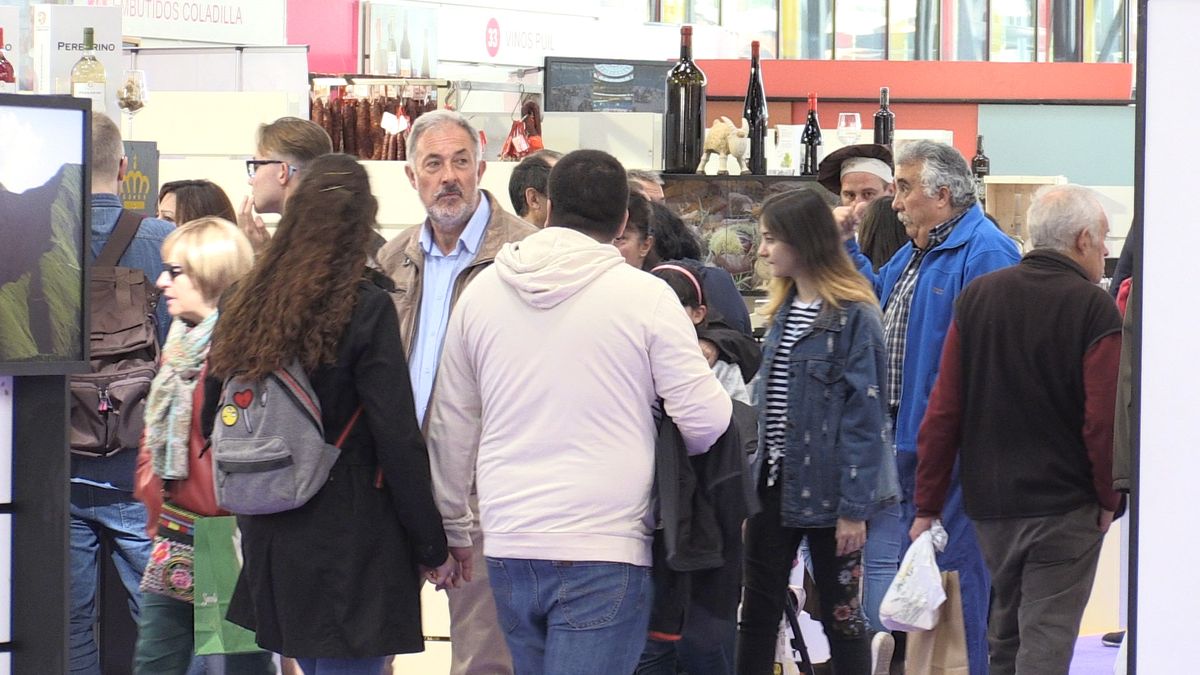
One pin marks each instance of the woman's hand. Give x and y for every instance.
(443, 576)
(851, 535)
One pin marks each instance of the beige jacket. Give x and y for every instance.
(402, 259)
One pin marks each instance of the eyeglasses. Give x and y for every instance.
(173, 270)
(253, 164)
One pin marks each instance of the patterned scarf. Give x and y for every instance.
(169, 405)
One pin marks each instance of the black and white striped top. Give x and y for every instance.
(775, 403)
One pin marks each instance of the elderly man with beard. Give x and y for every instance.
(952, 244)
(430, 265)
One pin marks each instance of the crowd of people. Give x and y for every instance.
(560, 416)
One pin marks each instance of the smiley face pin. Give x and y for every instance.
(229, 415)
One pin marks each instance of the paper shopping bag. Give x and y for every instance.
(216, 569)
(942, 650)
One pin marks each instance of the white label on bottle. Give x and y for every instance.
(8, 87)
(406, 69)
(393, 64)
(92, 90)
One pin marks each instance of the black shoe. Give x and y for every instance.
(1113, 639)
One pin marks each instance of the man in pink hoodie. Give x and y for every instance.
(553, 361)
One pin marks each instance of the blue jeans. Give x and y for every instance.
(886, 534)
(368, 666)
(962, 554)
(571, 618)
(102, 514)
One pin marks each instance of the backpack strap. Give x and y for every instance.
(122, 236)
(349, 425)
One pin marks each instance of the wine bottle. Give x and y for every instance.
(393, 56)
(426, 68)
(378, 59)
(87, 75)
(980, 166)
(811, 139)
(683, 123)
(406, 69)
(8, 77)
(885, 119)
(756, 114)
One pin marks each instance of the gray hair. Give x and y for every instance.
(436, 118)
(942, 166)
(1060, 212)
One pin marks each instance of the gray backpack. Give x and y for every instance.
(268, 444)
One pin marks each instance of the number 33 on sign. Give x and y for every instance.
(492, 37)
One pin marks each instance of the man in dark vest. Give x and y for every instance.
(1024, 402)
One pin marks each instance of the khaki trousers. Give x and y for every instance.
(477, 645)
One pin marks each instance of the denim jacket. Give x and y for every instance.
(838, 459)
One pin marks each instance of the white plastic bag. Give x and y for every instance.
(912, 601)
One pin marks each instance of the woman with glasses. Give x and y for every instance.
(283, 149)
(336, 582)
(201, 259)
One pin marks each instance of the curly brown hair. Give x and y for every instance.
(296, 302)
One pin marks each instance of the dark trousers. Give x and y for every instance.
(166, 641)
(770, 551)
(1042, 572)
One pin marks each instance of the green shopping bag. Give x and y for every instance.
(216, 571)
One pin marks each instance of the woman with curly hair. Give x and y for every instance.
(824, 463)
(336, 582)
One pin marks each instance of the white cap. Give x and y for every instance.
(875, 167)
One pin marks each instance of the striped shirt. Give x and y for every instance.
(800, 318)
(899, 307)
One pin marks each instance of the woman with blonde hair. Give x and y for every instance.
(335, 583)
(824, 463)
(201, 259)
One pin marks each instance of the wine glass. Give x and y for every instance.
(132, 95)
(849, 127)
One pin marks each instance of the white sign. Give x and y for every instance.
(10, 25)
(58, 45)
(241, 22)
(481, 35)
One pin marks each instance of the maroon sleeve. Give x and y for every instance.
(1101, 363)
(941, 430)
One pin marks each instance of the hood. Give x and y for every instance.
(551, 265)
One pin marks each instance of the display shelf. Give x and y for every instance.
(1007, 199)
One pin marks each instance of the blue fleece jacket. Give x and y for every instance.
(974, 248)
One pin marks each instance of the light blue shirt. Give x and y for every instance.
(437, 289)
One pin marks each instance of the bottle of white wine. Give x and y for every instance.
(87, 75)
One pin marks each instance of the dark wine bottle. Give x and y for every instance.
(756, 114)
(811, 138)
(980, 166)
(885, 119)
(683, 123)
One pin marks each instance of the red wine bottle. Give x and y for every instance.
(885, 119)
(8, 79)
(811, 138)
(683, 123)
(980, 166)
(756, 114)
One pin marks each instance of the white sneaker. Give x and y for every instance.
(882, 646)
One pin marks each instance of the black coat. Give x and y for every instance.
(339, 577)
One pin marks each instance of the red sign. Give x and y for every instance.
(492, 37)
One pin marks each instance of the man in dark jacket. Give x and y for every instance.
(1031, 361)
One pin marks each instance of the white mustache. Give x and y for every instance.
(447, 192)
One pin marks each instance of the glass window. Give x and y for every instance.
(967, 40)
(861, 29)
(751, 20)
(706, 12)
(902, 28)
(808, 30)
(1105, 31)
(1013, 33)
